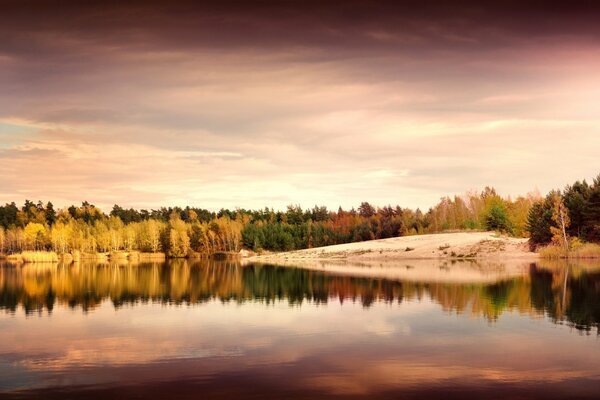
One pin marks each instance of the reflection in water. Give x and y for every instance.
(543, 291)
(222, 330)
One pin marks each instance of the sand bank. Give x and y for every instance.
(459, 245)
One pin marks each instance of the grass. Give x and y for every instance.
(152, 256)
(39, 256)
(585, 250)
(116, 255)
(15, 258)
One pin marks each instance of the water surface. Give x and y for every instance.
(222, 330)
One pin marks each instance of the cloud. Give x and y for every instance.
(277, 104)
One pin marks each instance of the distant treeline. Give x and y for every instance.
(181, 231)
(581, 201)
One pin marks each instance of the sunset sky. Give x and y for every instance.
(147, 104)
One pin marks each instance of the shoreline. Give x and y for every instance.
(440, 246)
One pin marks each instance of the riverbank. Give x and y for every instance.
(53, 257)
(442, 246)
(116, 256)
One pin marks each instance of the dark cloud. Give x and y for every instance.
(39, 28)
(253, 103)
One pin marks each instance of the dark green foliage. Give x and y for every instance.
(8, 215)
(583, 205)
(363, 232)
(50, 214)
(277, 236)
(469, 224)
(592, 212)
(497, 218)
(318, 214)
(294, 215)
(539, 222)
(576, 199)
(366, 210)
(126, 215)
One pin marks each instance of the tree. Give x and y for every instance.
(35, 236)
(60, 235)
(362, 232)
(561, 219)
(496, 218)
(294, 215)
(366, 210)
(8, 215)
(150, 236)
(319, 214)
(50, 214)
(178, 239)
(115, 229)
(129, 236)
(576, 199)
(592, 212)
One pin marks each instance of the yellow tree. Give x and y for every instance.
(179, 241)
(60, 235)
(560, 216)
(129, 236)
(153, 232)
(34, 235)
(115, 229)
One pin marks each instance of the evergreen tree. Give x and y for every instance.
(539, 222)
(576, 198)
(592, 212)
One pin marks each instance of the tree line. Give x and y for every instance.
(567, 217)
(87, 229)
(298, 229)
(179, 232)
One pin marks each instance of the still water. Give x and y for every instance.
(223, 330)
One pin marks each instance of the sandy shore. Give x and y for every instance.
(461, 257)
(460, 245)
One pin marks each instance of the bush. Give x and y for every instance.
(497, 219)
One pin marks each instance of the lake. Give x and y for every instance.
(224, 330)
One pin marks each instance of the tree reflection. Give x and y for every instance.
(564, 293)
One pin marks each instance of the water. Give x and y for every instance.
(222, 330)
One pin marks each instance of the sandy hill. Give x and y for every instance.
(459, 245)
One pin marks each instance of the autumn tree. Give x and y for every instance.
(150, 234)
(178, 241)
(560, 217)
(35, 236)
(60, 237)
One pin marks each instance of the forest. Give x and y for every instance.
(181, 232)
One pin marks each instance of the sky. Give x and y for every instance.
(270, 103)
